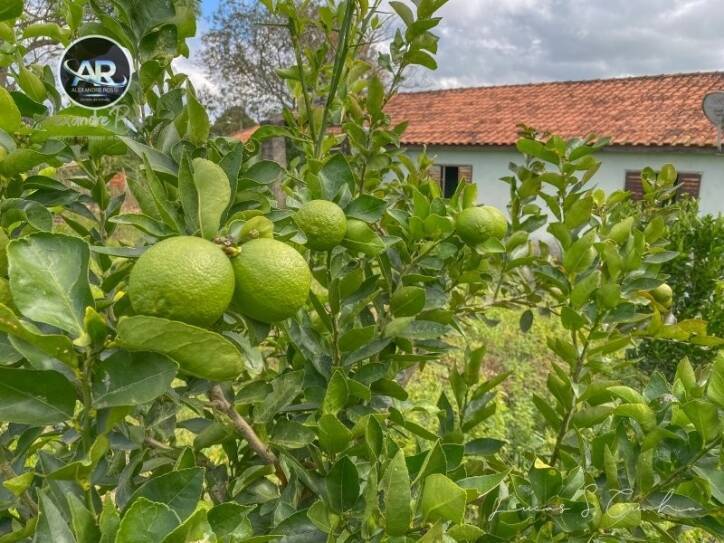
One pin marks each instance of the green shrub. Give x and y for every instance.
(696, 277)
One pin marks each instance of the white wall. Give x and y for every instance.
(490, 165)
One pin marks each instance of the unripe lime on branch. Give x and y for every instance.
(272, 280)
(184, 278)
(663, 295)
(476, 225)
(323, 222)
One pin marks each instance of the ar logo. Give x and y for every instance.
(95, 72)
(99, 73)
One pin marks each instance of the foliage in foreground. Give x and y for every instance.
(300, 429)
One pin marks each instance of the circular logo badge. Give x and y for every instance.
(95, 72)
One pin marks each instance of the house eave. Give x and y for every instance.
(684, 149)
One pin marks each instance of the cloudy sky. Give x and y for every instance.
(515, 41)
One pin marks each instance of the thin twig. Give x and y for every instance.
(220, 403)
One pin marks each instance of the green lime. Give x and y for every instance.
(477, 224)
(663, 294)
(272, 280)
(6, 298)
(323, 222)
(184, 278)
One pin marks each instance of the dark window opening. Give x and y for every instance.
(687, 184)
(451, 177)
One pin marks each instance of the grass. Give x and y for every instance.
(525, 355)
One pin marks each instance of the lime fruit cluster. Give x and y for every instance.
(323, 222)
(183, 278)
(476, 225)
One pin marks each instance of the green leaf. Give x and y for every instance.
(526, 321)
(292, 435)
(198, 352)
(421, 58)
(342, 485)
(144, 223)
(229, 522)
(404, 12)
(264, 172)
(159, 162)
(545, 480)
(442, 499)
(398, 496)
(705, 418)
(10, 119)
(198, 120)
(335, 398)
(55, 345)
(83, 521)
(621, 515)
(375, 97)
(715, 385)
(642, 413)
(579, 213)
(19, 210)
(10, 9)
(356, 338)
(146, 521)
(51, 525)
(335, 174)
(285, 389)
(407, 301)
(131, 379)
(214, 193)
(80, 470)
(194, 528)
(35, 397)
(484, 446)
(49, 279)
(22, 160)
(536, 149)
(591, 416)
(482, 484)
(179, 490)
(20, 483)
(108, 521)
(366, 208)
(333, 435)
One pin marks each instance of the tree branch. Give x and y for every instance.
(219, 402)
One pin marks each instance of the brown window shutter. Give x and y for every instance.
(689, 183)
(633, 185)
(435, 172)
(465, 173)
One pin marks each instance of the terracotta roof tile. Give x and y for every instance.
(245, 134)
(649, 111)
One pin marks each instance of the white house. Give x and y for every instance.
(651, 121)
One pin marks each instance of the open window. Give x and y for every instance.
(450, 176)
(688, 183)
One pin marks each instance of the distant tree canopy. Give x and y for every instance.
(242, 51)
(231, 120)
(246, 46)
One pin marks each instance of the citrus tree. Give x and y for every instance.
(226, 361)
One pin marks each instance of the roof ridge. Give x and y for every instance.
(564, 82)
